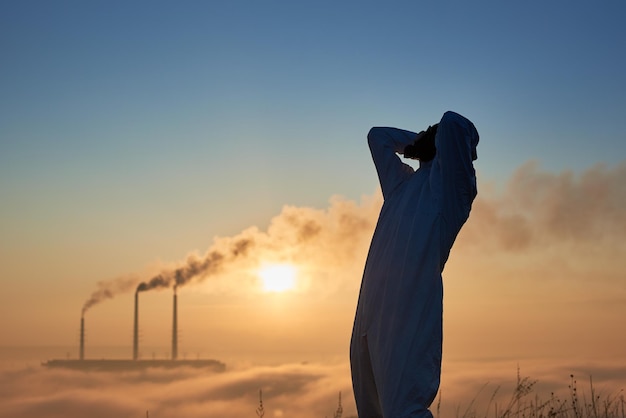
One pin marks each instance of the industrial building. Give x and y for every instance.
(135, 363)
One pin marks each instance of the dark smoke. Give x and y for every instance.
(327, 237)
(334, 236)
(198, 268)
(108, 290)
(194, 267)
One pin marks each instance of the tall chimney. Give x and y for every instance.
(82, 338)
(175, 328)
(136, 329)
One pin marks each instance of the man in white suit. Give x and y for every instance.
(395, 352)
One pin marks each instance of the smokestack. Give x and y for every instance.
(82, 338)
(175, 329)
(136, 329)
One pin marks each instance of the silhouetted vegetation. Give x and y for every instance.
(522, 404)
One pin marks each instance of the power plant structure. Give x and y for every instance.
(81, 354)
(136, 363)
(136, 329)
(175, 328)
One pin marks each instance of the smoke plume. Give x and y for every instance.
(539, 209)
(335, 236)
(536, 209)
(194, 267)
(109, 289)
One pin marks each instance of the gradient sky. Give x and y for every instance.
(133, 133)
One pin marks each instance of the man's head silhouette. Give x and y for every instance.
(423, 149)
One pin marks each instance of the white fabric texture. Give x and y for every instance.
(395, 352)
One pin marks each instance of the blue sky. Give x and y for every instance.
(136, 131)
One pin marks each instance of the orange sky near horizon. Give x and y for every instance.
(536, 272)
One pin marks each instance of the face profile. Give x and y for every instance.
(423, 149)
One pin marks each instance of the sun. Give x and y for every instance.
(278, 277)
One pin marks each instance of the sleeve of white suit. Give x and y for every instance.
(456, 142)
(385, 144)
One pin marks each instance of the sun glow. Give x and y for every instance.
(278, 277)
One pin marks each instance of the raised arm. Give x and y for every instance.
(456, 143)
(385, 144)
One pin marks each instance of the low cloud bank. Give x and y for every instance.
(298, 390)
(289, 390)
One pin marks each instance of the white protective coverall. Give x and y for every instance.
(395, 352)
